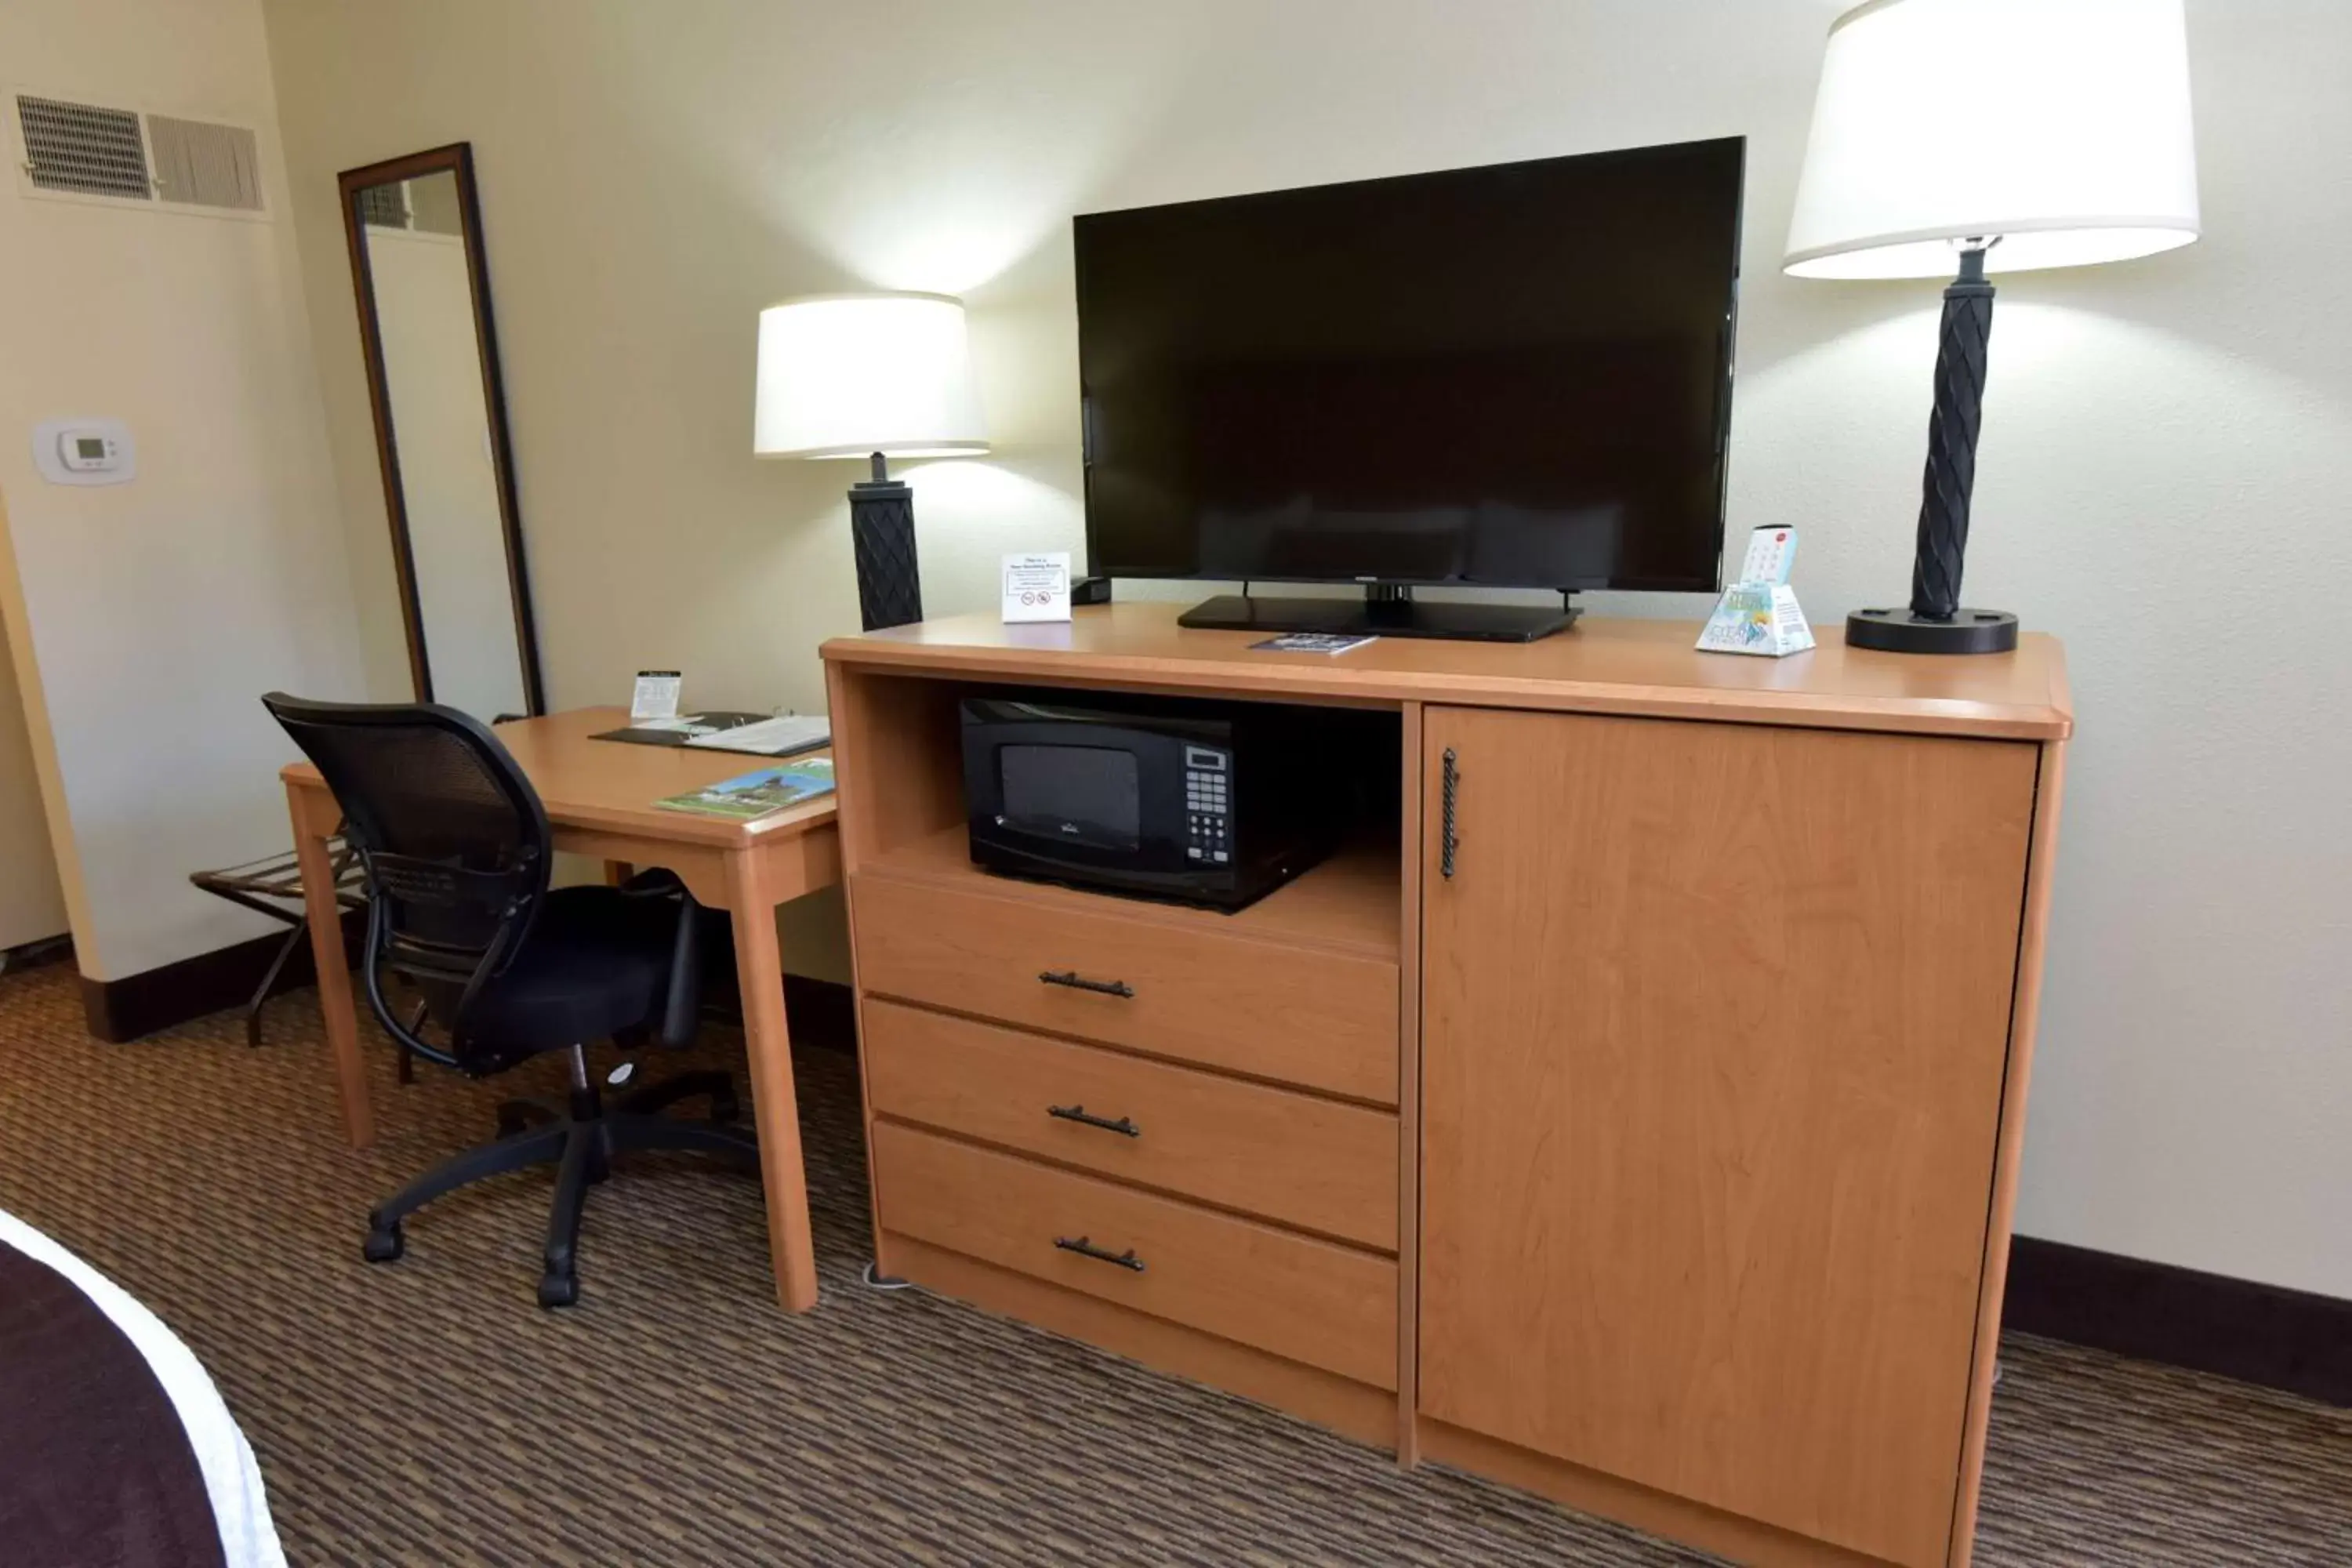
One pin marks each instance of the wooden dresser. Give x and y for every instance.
(1650, 1143)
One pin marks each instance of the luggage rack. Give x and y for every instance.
(273, 885)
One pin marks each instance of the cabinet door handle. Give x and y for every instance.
(1079, 1113)
(1077, 982)
(1085, 1249)
(1447, 840)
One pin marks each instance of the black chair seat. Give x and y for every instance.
(597, 961)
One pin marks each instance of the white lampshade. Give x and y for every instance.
(2061, 126)
(842, 375)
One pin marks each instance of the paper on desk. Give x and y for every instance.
(771, 737)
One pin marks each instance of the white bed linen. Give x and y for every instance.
(232, 1479)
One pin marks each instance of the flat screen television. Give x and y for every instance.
(1510, 377)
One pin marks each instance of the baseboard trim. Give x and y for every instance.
(822, 1012)
(121, 1011)
(2289, 1339)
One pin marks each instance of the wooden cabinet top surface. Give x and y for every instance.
(1600, 665)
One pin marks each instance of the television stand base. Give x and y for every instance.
(1387, 616)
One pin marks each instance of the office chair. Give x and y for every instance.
(457, 849)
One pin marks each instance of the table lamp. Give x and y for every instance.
(870, 375)
(2016, 134)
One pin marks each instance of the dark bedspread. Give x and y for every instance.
(96, 1471)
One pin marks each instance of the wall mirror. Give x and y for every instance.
(415, 234)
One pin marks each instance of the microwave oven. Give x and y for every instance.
(1202, 803)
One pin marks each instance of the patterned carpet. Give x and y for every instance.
(427, 1412)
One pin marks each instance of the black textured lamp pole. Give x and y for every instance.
(1935, 622)
(882, 533)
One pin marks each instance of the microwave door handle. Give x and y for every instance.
(1077, 982)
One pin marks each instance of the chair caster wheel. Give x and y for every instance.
(559, 1289)
(384, 1244)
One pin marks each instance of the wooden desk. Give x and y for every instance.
(599, 795)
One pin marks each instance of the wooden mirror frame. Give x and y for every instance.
(457, 159)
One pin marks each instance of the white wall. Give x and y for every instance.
(2167, 448)
(153, 615)
(32, 902)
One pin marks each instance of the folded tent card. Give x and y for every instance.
(655, 697)
(1758, 613)
(1036, 587)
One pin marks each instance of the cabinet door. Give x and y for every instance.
(1715, 1020)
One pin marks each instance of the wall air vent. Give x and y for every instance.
(92, 152)
(83, 149)
(203, 165)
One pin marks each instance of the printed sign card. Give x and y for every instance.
(1038, 587)
(656, 696)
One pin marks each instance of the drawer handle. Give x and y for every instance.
(1085, 1248)
(1448, 840)
(1079, 1113)
(1077, 982)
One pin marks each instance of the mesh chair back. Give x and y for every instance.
(453, 839)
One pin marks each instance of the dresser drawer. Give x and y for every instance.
(1291, 1157)
(1313, 1301)
(1320, 1017)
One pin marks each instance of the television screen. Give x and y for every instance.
(1512, 375)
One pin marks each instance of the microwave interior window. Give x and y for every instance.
(1083, 795)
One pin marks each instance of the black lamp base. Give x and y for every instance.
(882, 536)
(1935, 621)
(1907, 631)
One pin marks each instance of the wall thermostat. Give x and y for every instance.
(84, 451)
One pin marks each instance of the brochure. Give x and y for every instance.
(1312, 642)
(759, 794)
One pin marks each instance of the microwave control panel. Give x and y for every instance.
(1208, 806)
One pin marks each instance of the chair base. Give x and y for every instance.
(582, 1140)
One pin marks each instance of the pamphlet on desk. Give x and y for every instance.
(761, 793)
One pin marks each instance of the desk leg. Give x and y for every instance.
(326, 920)
(759, 970)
